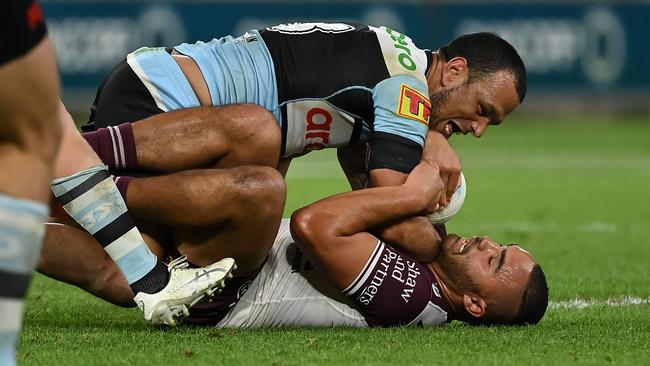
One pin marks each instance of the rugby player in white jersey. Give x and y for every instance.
(324, 268)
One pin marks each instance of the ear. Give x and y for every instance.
(455, 72)
(474, 305)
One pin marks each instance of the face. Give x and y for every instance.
(473, 107)
(478, 265)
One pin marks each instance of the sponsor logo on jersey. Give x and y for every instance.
(401, 43)
(242, 289)
(414, 105)
(319, 124)
(306, 28)
(246, 38)
(299, 263)
(435, 289)
(401, 55)
(315, 125)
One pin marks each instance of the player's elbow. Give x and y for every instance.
(300, 226)
(310, 230)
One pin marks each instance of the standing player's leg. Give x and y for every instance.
(89, 195)
(29, 137)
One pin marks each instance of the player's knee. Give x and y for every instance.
(262, 190)
(263, 121)
(266, 127)
(257, 137)
(35, 130)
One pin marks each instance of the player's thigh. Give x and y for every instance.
(29, 96)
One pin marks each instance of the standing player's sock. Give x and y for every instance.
(93, 200)
(115, 146)
(21, 236)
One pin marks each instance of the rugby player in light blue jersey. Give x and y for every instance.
(283, 91)
(327, 85)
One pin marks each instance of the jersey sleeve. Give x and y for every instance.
(394, 289)
(402, 108)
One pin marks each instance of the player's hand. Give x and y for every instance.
(437, 150)
(425, 183)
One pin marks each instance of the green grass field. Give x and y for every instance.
(575, 193)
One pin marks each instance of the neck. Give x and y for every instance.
(455, 300)
(435, 72)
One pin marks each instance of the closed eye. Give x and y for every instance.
(502, 259)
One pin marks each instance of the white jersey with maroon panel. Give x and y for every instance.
(391, 290)
(289, 292)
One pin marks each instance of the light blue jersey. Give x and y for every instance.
(236, 70)
(327, 84)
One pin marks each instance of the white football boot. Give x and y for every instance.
(186, 287)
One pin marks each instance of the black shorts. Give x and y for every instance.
(122, 97)
(22, 26)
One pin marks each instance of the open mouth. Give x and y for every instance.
(451, 128)
(463, 245)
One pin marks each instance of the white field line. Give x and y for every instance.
(587, 303)
(594, 227)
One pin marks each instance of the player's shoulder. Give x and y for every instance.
(400, 54)
(395, 289)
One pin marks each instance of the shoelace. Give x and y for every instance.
(180, 262)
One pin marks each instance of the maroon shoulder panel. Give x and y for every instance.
(394, 289)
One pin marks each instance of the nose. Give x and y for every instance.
(478, 128)
(487, 244)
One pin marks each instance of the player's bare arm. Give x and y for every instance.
(337, 238)
(414, 235)
(438, 150)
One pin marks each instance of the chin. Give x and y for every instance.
(439, 126)
(447, 244)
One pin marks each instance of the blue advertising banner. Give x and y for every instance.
(573, 46)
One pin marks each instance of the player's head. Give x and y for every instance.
(480, 80)
(492, 283)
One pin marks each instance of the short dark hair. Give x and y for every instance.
(534, 300)
(487, 53)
